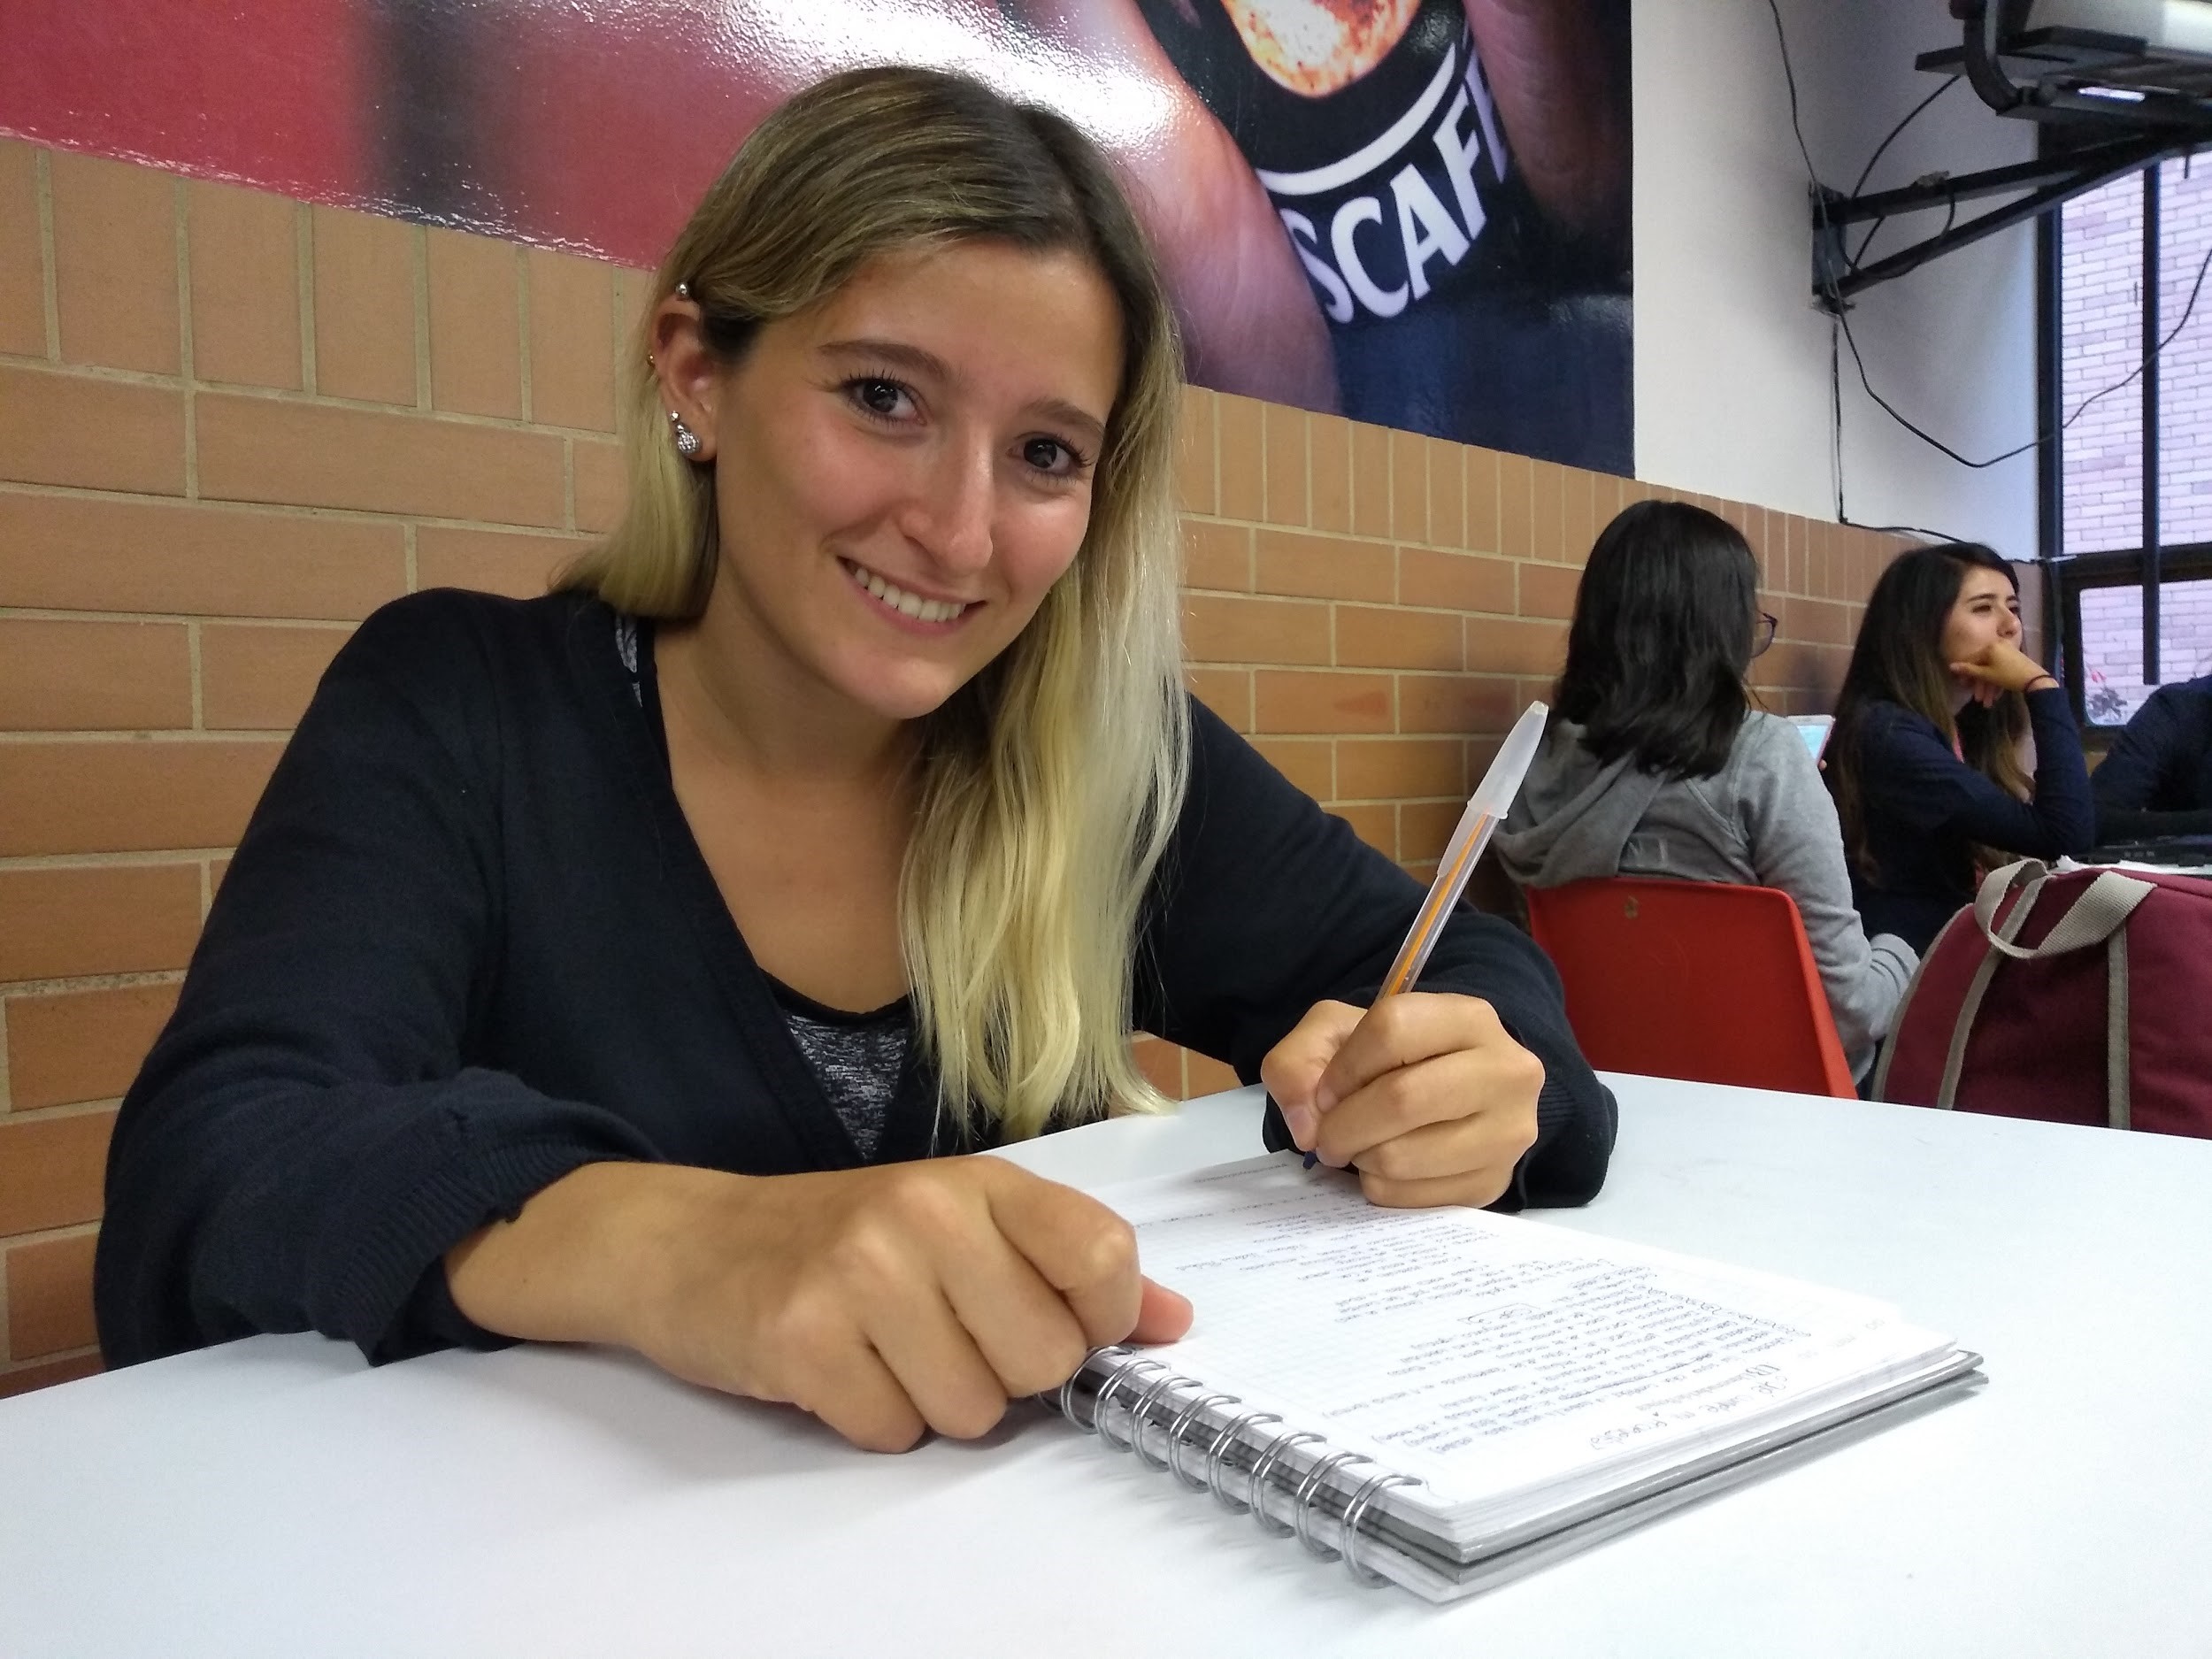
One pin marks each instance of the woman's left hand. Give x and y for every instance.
(1424, 1094)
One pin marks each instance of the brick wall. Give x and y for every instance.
(232, 425)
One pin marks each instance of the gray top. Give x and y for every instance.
(858, 1058)
(1764, 819)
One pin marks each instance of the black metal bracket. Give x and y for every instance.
(2048, 182)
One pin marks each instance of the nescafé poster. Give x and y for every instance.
(1413, 212)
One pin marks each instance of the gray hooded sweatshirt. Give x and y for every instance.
(1764, 819)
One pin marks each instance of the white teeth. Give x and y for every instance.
(903, 602)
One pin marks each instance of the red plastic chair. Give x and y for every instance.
(1696, 979)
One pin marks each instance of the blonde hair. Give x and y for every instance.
(1051, 781)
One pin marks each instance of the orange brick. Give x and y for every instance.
(145, 796)
(1307, 762)
(601, 484)
(1194, 490)
(1547, 506)
(1394, 768)
(1218, 628)
(1325, 567)
(1329, 471)
(306, 455)
(1579, 526)
(1241, 454)
(571, 340)
(365, 307)
(61, 428)
(260, 678)
(1226, 691)
(1204, 1075)
(1456, 702)
(1374, 636)
(1284, 439)
(244, 253)
(49, 1296)
(71, 1046)
(1455, 581)
(22, 253)
(475, 333)
(1409, 486)
(1516, 507)
(115, 263)
(51, 1169)
(513, 563)
(101, 918)
(1549, 590)
(1161, 1064)
(1286, 700)
(1447, 494)
(76, 553)
(633, 294)
(1371, 479)
(1480, 467)
(22, 1380)
(1377, 825)
(1217, 556)
(1498, 646)
(94, 676)
(1425, 829)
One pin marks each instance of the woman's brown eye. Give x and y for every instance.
(880, 395)
(1044, 454)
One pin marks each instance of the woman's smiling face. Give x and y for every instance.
(903, 470)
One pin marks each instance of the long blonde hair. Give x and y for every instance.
(1051, 781)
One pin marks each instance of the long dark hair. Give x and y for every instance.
(1661, 636)
(1898, 659)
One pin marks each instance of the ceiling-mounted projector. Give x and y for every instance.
(2146, 63)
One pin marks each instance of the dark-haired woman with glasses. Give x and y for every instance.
(1657, 764)
(1926, 760)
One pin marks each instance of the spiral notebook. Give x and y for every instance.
(1449, 1398)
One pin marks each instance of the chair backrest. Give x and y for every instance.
(1696, 979)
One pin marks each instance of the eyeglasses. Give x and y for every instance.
(1763, 632)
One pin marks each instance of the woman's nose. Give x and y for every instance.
(951, 518)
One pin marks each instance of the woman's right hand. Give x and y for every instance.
(887, 1301)
(1998, 667)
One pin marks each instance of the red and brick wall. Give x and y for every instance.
(231, 425)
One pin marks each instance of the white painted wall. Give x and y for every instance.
(1732, 356)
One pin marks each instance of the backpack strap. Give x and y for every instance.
(1997, 938)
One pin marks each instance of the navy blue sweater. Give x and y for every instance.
(2157, 780)
(1926, 809)
(468, 945)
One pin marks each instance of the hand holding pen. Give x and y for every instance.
(1425, 1092)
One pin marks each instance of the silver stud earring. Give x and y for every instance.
(683, 290)
(687, 440)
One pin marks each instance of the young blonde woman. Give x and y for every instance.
(616, 966)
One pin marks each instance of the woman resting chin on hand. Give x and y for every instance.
(622, 965)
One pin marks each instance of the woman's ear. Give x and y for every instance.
(689, 374)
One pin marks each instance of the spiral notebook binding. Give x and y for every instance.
(1145, 1389)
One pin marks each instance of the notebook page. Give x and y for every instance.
(1489, 1355)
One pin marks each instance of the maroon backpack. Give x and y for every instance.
(2083, 997)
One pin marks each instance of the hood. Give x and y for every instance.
(1573, 816)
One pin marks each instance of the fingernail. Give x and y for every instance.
(1301, 1121)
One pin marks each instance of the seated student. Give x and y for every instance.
(1925, 759)
(617, 966)
(1657, 764)
(2156, 779)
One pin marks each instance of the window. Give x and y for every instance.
(2111, 464)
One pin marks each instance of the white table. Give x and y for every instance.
(276, 1497)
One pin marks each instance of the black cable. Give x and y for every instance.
(1842, 316)
(1867, 172)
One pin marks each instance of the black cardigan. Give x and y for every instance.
(2156, 779)
(468, 944)
(1926, 810)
